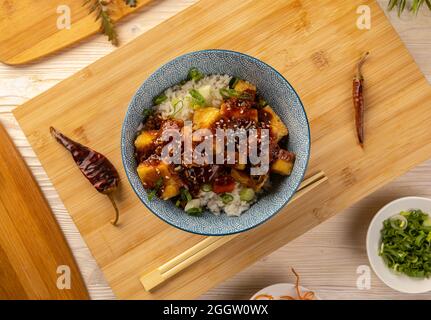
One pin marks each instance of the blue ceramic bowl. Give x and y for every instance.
(275, 89)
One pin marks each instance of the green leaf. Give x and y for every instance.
(401, 6)
(106, 24)
(392, 4)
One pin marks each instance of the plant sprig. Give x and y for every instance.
(414, 6)
(103, 10)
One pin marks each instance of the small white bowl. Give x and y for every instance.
(396, 281)
(282, 289)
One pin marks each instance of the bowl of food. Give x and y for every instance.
(399, 244)
(215, 142)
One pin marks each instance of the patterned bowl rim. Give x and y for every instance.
(257, 61)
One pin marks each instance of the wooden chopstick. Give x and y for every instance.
(209, 244)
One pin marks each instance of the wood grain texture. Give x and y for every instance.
(322, 50)
(32, 245)
(30, 30)
(326, 256)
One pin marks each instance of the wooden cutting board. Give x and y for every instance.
(29, 28)
(32, 245)
(315, 46)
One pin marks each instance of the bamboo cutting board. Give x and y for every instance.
(29, 28)
(32, 245)
(315, 46)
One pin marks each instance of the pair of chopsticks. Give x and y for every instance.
(208, 245)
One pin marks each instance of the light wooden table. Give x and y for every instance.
(327, 257)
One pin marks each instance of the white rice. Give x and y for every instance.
(215, 204)
(178, 102)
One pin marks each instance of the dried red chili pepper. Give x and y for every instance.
(358, 100)
(94, 166)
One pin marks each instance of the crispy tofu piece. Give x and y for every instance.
(243, 85)
(170, 190)
(150, 172)
(283, 165)
(239, 112)
(144, 141)
(205, 117)
(277, 126)
(148, 175)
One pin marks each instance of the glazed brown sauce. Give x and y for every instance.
(235, 114)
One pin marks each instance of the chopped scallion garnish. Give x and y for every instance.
(198, 99)
(195, 212)
(194, 74)
(226, 198)
(160, 99)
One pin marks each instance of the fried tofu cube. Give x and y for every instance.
(205, 117)
(150, 172)
(144, 141)
(283, 165)
(277, 126)
(170, 190)
(239, 112)
(243, 85)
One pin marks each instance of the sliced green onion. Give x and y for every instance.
(194, 212)
(156, 188)
(151, 195)
(175, 111)
(160, 99)
(185, 195)
(206, 187)
(226, 198)
(228, 93)
(246, 96)
(420, 238)
(405, 243)
(398, 222)
(194, 74)
(178, 203)
(193, 207)
(232, 93)
(197, 97)
(246, 194)
(146, 113)
(427, 222)
(233, 82)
